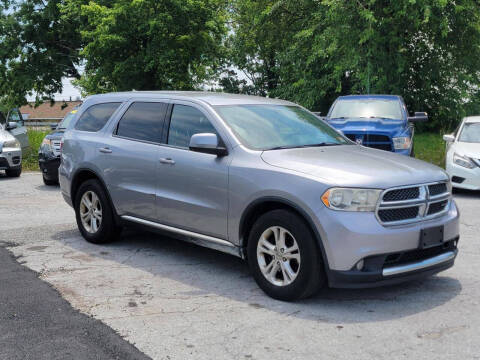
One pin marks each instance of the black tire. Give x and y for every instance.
(108, 231)
(412, 153)
(14, 172)
(49, 182)
(311, 273)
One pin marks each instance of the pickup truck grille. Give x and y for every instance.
(375, 141)
(413, 203)
(56, 146)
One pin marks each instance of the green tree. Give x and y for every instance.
(38, 48)
(148, 44)
(426, 50)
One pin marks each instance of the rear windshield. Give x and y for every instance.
(67, 119)
(367, 108)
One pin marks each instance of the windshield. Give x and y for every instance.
(66, 120)
(267, 127)
(367, 108)
(470, 133)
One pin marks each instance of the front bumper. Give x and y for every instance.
(349, 237)
(49, 165)
(381, 271)
(468, 179)
(10, 158)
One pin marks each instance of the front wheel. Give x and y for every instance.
(14, 172)
(283, 256)
(94, 214)
(49, 182)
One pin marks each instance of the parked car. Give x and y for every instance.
(377, 121)
(49, 151)
(10, 154)
(262, 179)
(14, 124)
(463, 154)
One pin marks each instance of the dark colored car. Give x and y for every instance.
(377, 121)
(49, 152)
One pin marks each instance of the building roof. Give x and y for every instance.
(48, 111)
(211, 98)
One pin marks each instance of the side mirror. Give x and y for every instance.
(11, 125)
(207, 143)
(449, 138)
(53, 126)
(418, 117)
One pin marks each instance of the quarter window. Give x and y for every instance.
(185, 122)
(143, 121)
(96, 116)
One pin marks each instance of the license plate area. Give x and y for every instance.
(431, 237)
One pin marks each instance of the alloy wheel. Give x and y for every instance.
(278, 256)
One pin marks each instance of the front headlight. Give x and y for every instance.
(464, 161)
(11, 144)
(350, 199)
(402, 143)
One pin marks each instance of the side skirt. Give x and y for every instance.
(189, 236)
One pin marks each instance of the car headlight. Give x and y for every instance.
(46, 143)
(464, 161)
(11, 144)
(350, 199)
(402, 143)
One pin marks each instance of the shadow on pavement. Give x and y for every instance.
(212, 272)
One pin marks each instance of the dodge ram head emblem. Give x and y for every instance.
(359, 140)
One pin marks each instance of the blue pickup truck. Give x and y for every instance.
(377, 121)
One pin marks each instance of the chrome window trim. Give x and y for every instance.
(423, 202)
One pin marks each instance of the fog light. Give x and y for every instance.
(360, 265)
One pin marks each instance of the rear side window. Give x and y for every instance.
(96, 116)
(185, 122)
(143, 121)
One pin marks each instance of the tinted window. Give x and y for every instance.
(96, 116)
(143, 121)
(185, 122)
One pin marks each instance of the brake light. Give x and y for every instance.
(61, 145)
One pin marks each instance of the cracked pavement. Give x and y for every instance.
(174, 300)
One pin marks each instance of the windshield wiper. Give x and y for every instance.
(302, 146)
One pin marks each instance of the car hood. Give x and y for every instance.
(361, 125)
(472, 150)
(5, 136)
(355, 166)
(56, 134)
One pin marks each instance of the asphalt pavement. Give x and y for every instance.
(173, 300)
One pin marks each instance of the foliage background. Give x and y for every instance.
(307, 51)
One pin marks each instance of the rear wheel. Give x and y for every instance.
(283, 256)
(95, 218)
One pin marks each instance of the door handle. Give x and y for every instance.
(167, 161)
(105, 150)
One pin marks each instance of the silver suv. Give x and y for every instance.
(262, 179)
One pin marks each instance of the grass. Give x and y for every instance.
(429, 147)
(30, 157)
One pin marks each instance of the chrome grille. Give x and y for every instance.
(402, 194)
(409, 204)
(56, 146)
